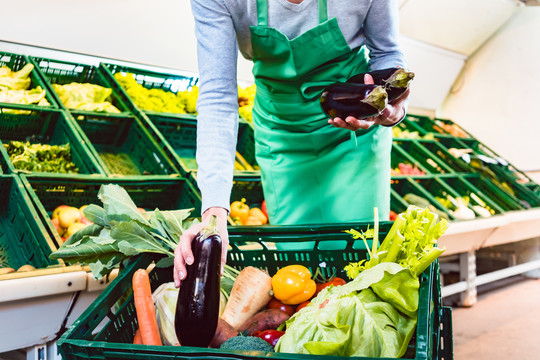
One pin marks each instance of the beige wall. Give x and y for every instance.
(497, 96)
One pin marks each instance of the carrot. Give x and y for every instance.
(137, 338)
(144, 306)
(250, 293)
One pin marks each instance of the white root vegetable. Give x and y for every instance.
(250, 293)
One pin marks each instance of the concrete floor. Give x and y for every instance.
(503, 324)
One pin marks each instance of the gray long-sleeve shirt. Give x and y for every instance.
(222, 28)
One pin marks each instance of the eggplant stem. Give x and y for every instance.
(378, 98)
(210, 229)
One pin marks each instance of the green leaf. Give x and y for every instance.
(90, 230)
(135, 239)
(103, 265)
(119, 206)
(165, 262)
(96, 214)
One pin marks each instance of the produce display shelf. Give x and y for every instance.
(166, 194)
(46, 127)
(64, 72)
(114, 340)
(123, 146)
(16, 62)
(23, 238)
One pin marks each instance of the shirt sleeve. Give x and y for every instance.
(217, 104)
(381, 31)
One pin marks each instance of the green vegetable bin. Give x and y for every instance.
(23, 237)
(85, 339)
(16, 62)
(429, 161)
(63, 72)
(427, 125)
(150, 80)
(48, 193)
(181, 135)
(46, 127)
(123, 146)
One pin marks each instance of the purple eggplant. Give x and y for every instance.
(197, 307)
(358, 100)
(395, 80)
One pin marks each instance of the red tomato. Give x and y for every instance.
(276, 304)
(335, 281)
(270, 336)
(302, 305)
(263, 208)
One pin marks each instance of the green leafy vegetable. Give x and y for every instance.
(375, 314)
(41, 157)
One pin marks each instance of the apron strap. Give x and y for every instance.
(323, 11)
(262, 12)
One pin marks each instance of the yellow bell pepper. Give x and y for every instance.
(256, 217)
(293, 285)
(240, 210)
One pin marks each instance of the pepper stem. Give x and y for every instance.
(378, 98)
(210, 229)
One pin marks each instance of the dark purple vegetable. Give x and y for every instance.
(395, 80)
(358, 100)
(197, 308)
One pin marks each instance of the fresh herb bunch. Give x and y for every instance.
(41, 157)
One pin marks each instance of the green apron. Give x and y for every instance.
(311, 173)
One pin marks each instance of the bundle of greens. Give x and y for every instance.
(41, 157)
(120, 231)
(89, 97)
(375, 314)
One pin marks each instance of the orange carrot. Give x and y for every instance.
(137, 338)
(144, 306)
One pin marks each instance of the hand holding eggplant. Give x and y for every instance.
(391, 114)
(183, 254)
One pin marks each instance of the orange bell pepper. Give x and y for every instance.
(256, 217)
(240, 211)
(293, 285)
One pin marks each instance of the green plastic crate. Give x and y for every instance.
(64, 72)
(181, 134)
(48, 193)
(84, 340)
(16, 62)
(123, 146)
(429, 161)
(409, 185)
(46, 127)
(150, 80)
(23, 238)
(431, 126)
(498, 196)
(400, 156)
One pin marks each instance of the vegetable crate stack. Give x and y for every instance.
(166, 103)
(437, 164)
(268, 302)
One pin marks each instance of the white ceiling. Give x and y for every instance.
(457, 25)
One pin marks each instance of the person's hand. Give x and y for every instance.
(391, 114)
(184, 256)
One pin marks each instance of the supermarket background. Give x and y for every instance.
(476, 88)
